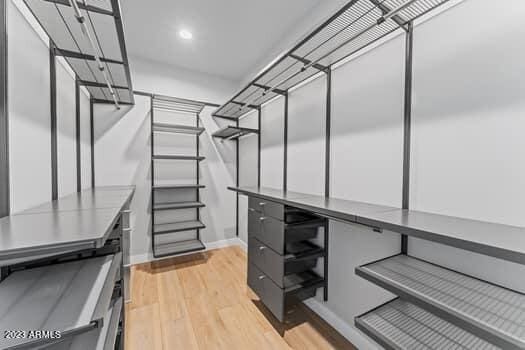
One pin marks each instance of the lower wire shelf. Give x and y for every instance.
(168, 249)
(494, 313)
(399, 324)
(178, 227)
(103, 338)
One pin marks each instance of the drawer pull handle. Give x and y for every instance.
(262, 277)
(262, 204)
(261, 248)
(262, 218)
(251, 209)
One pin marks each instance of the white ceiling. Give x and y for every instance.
(231, 38)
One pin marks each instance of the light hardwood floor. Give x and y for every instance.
(201, 301)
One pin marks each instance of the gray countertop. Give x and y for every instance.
(497, 240)
(77, 221)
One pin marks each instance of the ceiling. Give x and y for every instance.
(231, 38)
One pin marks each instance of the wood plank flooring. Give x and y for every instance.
(202, 302)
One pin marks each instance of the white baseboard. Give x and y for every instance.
(353, 335)
(147, 257)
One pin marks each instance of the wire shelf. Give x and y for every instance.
(103, 20)
(354, 27)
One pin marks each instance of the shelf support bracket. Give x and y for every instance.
(308, 62)
(385, 10)
(265, 87)
(242, 104)
(73, 54)
(95, 84)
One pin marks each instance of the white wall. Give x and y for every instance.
(272, 143)
(306, 137)
(29, 116)
(467, 147)
(248, 174)
(66, 128)
(172, 81)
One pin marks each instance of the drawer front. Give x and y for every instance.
(270, 294)
(255, 280)
(267, 208)
(268, 261)
(272, 233)
(254, 225)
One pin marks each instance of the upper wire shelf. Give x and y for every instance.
(355, 26)
(175, 104)
(95, 49)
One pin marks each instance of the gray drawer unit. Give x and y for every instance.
(279, 300)
(302, 257)
(276, 233)
(266, 207)
(280, 257)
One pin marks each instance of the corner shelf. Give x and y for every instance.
(178, 205)
(177, 129)
(71, 297)
(177, 157)
(178, 186)
(233, 132)
(399, 324)
(170, 249)
(470, 303)
(165, 224)
(178, 226)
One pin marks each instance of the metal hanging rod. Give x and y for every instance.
(96, 52)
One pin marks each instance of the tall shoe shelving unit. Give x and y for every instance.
(175, 203)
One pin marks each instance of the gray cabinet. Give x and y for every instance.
(281, 257)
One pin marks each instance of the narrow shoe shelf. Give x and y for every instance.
(178, 226)
(97, 339)
(176, 186)
(399, 325)
(489, 311)
(178, 205)
(233, 132)
(173, 248)
(302, 250)
(177, 129)
(177, 157)
(301, 280)
(71, 297)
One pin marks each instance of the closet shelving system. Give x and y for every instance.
(233, 132)
(90, 36)
(173, 197)
(435, 307)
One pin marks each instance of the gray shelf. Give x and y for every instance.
(173, 248)
(178, 227)
(75, 222)
(110, 197)
(497, 240)
(177, 186)
(400, 325)
(100, 338)
(72, 298)
(491, 312)
(178, 205)
(233, 132)
(177, 129)
(177, 157)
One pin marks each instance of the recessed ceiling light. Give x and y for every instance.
(186, 34)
